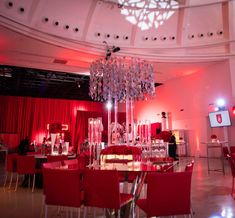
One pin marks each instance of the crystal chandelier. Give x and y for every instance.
(121, 79)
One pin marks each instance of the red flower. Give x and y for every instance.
(213, 136)
(165, 136)
(55, 127)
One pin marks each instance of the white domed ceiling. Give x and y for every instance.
(179, 37)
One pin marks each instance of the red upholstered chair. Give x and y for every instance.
(55, 164)
(50, 165)
(101, 189)
(26, 165)
(55, 158)
(232, 166)
(71, 164)
(189, 166)
(81, 162)
(11, 160)
(168, 194)
(62, 187)
(232, 149)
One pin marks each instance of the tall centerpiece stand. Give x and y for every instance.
(95, 129)
(118, 80)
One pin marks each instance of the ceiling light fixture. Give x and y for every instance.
(110, 50)
(120, 78)
(147, 13)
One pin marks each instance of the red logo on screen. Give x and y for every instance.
(219, 118)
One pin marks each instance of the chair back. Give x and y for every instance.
(55, 164)
(55, 158)
(169, 193)
(26, 164)
(71, 164)
(101, 189)
(62, 187)
(232, 164)
(11, 162)
(81, 162)
(50, 165)
(189, 166)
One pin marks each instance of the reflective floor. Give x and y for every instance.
(210, 195)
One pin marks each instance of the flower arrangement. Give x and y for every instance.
(55, 127)
(165, 136)
(213, 136)
(67, 136)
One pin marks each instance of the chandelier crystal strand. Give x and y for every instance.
(122, 80)
(119, 76)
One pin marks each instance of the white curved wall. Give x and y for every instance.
(193, 94)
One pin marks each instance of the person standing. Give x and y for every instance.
(23, 147)
(172, 146)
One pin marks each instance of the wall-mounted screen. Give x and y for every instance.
(219, 118)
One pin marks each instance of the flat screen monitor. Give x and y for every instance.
(219, 118)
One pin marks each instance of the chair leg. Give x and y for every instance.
(17, 180)
(84, 212)
(232, 186)
(119, 213)
(29, 181)
(79, 212)
(43, 206)
(5, 182)
(10, 181)
(33, 183)
(46, 211)
(67, 213)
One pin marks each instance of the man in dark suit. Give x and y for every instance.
(172, 146)
(23, 146)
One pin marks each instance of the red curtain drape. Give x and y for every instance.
(28, 116)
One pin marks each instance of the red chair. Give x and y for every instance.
(101, 189)
(50, 165)
(56, 164)
(71, 164)
(62, 187)
(189, 166)
(11, 160)
(55, 158)
(232, 166)
(168, 194)
(81, 162)
(26, 165)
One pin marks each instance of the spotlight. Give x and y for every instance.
(110, 50)
(109, 105)
(115, 49)
(108, 54)
(220, 102)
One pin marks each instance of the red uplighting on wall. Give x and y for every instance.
(233, 110)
